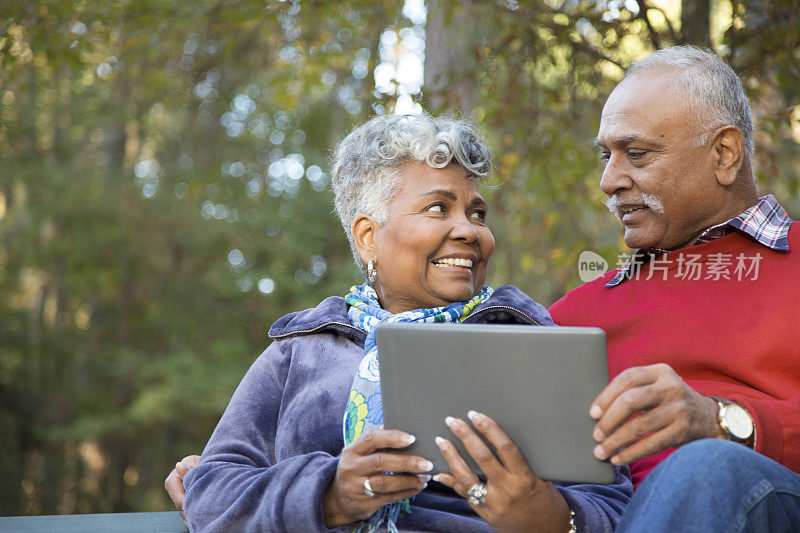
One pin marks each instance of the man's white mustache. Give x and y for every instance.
(649, 200)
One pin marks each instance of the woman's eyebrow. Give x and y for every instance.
(451, 196)
(478, 200)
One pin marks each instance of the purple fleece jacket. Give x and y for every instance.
(276, 448)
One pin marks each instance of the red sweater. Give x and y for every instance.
(735, 339)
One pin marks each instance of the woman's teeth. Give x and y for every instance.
(453, 261)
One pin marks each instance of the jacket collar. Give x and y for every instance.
(330, 315)
(506, 304)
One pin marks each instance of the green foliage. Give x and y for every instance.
(163, 195)
(539, 73)
(163, 198)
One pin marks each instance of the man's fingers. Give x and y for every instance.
(174, 481)
(649, 445)
(627, 379)
(186, 464)
(372, 441)
(631, 431)
(174, 486)
(630, 402)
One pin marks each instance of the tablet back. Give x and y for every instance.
(536, 382)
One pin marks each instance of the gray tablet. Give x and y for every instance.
(536, 382)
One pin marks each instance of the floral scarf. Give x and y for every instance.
(364, 409)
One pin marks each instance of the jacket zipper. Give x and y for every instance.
(512, 310)
(312, 330)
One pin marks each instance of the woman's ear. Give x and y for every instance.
(729, 154)
(364, 227)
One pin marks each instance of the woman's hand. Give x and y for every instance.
(516, 499)
(346, 499)
(174, 481)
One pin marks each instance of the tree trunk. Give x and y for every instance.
(450, 34)
(695, 21)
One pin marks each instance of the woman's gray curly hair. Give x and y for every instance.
(366, 163)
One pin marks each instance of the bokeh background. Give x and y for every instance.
(164, 192)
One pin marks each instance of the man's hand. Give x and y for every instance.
(668, 414)
(174, 481)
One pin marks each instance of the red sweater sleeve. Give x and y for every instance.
(777, 421)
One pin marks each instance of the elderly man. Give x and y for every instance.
(701, 327)
(703, 336)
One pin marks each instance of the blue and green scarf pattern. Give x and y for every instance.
(364, 409)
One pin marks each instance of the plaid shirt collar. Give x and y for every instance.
(766, 222)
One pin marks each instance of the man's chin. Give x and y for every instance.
(635, 238)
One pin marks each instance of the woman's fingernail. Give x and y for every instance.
(437, 478)
(595, 411)
(599, 452)
(424, 478)
(598, 435)
(425, 466)
(410, 439)
(439, 441)
(425, 486)
(449, 420)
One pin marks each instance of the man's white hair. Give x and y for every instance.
(366, 163)
(712, 87)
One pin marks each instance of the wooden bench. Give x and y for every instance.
(161, 522)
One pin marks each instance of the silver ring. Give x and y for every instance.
(368, 489)
(477, 493)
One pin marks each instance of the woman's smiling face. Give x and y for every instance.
(435, 246)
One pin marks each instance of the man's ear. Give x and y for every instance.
(364, 227)
(728, 154)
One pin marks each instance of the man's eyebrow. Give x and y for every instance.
(440, 192)
(621, 141)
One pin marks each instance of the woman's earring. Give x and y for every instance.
(372, 274)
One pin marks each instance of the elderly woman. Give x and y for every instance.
(294, 452)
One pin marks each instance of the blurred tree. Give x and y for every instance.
(164, 196)
(539, 73)
(695, 22)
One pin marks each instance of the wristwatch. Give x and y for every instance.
(735, 422)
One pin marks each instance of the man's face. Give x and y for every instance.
(658, 178)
